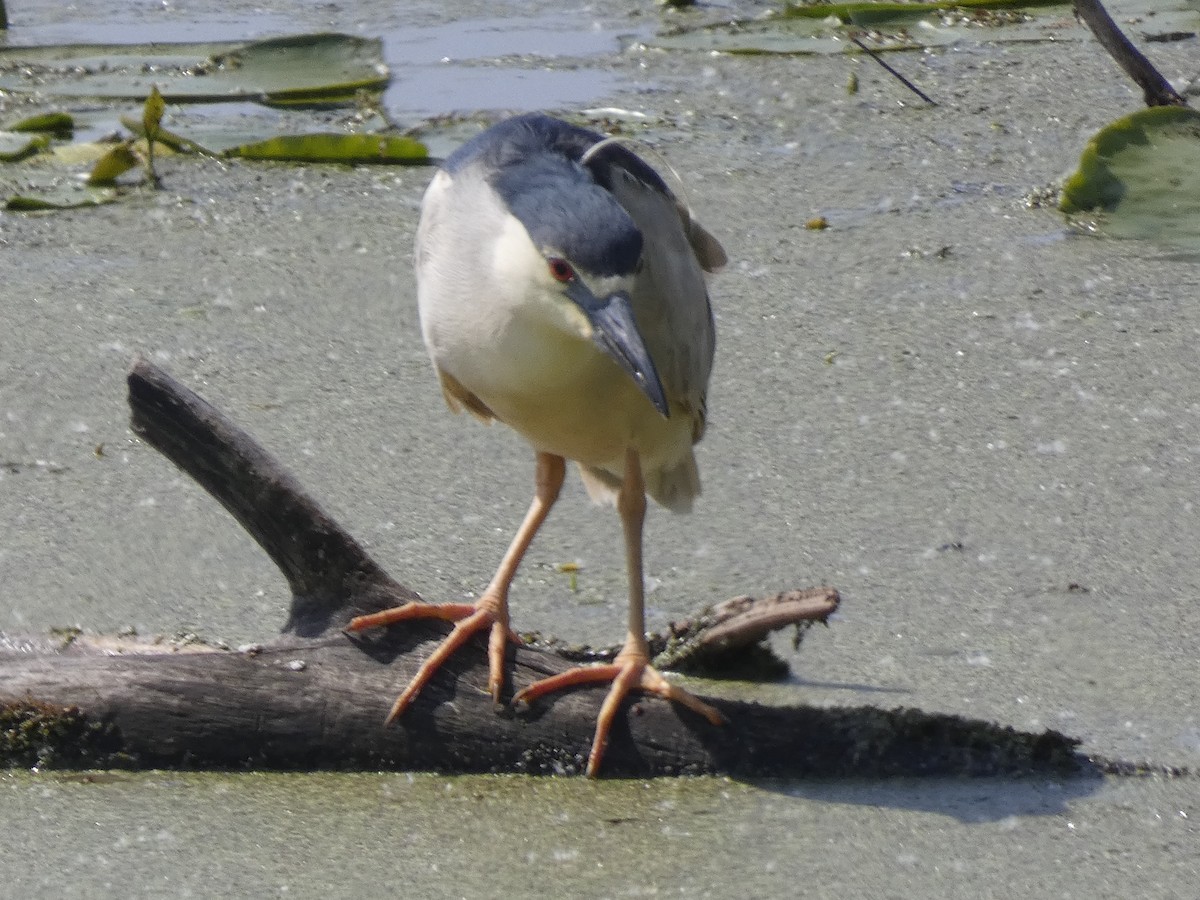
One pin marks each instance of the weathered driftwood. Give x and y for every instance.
(315, 697)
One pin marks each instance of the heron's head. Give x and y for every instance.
(578, 252)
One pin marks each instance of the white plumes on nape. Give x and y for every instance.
(634, 145)
(708, 249)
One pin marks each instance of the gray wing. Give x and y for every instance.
(670, 298)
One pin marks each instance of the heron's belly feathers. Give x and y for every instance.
(559, 391)
(508, 345)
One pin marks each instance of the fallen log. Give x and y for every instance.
(314, 697)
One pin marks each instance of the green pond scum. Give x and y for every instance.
(37, 735)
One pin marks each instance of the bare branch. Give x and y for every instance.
(1156, 90)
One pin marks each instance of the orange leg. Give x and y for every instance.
(490, 611)
(631, 670)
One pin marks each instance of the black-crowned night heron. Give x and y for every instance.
(561, 290)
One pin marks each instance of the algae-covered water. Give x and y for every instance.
(981, 427)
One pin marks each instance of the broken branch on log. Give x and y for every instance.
(314, 698)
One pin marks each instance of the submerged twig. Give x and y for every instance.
(904, 81)
(1156, 90)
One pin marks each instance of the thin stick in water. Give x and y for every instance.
(904, 81)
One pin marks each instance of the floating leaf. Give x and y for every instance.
(227, 135)
(53, 122)
(116, 162)
(15, 146)
(1142, 173)
(262, 86)
(300, 69)
(59, 194)
(341, 148)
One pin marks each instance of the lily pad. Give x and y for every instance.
(113, 164)
(56, 193)
(16, 145)
(256, 100)
(1140, 177)
(314, 69)
(51, 122)
(336, 148)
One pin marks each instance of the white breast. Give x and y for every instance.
(527, 355)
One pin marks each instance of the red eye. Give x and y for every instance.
(561, 270)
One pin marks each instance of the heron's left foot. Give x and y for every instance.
(630, 671)
(490, 612)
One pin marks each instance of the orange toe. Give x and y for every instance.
(469, 619)
(630, 672)
(447, 612)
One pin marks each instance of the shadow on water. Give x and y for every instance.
(855, 687)
(966, 800)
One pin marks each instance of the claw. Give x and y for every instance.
(630, 672)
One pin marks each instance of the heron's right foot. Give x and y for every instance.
(630, 671)
(489, 612)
